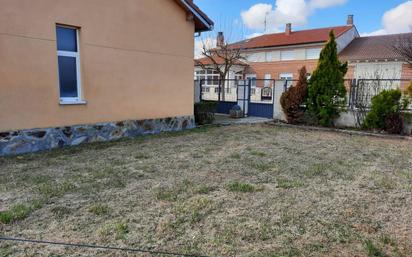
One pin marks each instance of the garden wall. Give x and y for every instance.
(34, 140)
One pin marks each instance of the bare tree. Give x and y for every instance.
(403, 47)
(221, 58)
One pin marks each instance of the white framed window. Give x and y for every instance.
(68, 59)
(268, 78)
(238, 76)
(269, 56)
(286, 76)
(287, 55)
(252, 78)
(313, 53)
(209, 77)
(257, 57)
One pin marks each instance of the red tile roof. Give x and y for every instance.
(373, 48)
(218, 60)
(295, 38)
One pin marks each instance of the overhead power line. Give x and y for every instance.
(20, 240)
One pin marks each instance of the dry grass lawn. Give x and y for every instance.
(251, 190)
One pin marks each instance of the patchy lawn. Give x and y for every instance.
(251, 190)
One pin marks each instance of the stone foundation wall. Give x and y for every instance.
(34, 140)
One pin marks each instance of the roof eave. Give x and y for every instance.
(285, 45)
(202, 22)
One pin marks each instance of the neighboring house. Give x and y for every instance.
(376, 58)
(281, 55)
(93, 70)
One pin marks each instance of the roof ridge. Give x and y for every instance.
(387, 35)
(300, 37)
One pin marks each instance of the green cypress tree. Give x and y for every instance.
(327, 92)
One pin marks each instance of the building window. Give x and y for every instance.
(209, 77)
(239, 76)
(287, 55)
(286, 76)
(313, 54)
(252, 78)
(68, 64)
(269, 57)
(257, 57)
(268, 78)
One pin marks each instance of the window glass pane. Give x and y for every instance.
(287, 55)
(68, 76)
(66, 39)
(286, 76)
(313, 53)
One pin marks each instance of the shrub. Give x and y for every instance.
(327, 92)
(294, 97)
(385, 111)
(205, 112)
(394, 123)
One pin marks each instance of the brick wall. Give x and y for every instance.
(277, 68)
(406, 74)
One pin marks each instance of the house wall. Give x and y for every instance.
(383, 70)
(406, 75)
(344, 40)
(268, 61)
(136, 62)
(277, 68)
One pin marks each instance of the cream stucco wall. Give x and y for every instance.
(136, 61)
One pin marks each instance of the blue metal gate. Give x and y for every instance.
(212, 91)
(261, 98)
(264, 110)
(225, 107)
(255, 97)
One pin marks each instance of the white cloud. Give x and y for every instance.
(326, 3)
(254, 18)
(199, 43)
(396, 20)
(296, 12)
(257, 34)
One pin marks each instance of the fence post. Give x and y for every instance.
(351, 93)
(201, 90)
(219, 91)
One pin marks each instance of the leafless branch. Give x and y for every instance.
(403, 47)
(221, 59)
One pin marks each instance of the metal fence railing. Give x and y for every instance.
(362, 91)
(359, 91)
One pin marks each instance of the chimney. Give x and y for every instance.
(220, 41)
(350, 20)
(288, 29)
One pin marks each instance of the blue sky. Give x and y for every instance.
(372, 17)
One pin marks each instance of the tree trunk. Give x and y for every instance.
(222, 89)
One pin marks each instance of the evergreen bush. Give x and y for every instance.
(292, 100)
(327, 92)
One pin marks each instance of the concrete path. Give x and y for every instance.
(221, 119)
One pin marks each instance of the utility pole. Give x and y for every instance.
(266, 22)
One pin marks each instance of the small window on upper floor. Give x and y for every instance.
(287, 55)
(313, 54)
(269, 57)
(68, 64)
(286, 76)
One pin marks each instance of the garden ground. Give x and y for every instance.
(245, 190)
